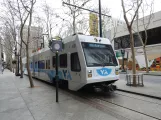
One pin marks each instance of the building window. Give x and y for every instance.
(54, 61)
(41, 64)
(47, 64)
(63, 60)
(75, 64)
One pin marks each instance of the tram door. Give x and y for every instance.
(75, 69)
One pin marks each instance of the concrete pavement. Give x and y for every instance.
(19, 102)
(152, 86)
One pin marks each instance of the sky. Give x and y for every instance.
(113, 5)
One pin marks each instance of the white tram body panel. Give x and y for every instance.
(84, 60)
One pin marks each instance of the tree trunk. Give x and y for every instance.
(28, 68)
(10, 64)
(146, 60)
(21, 65)
(133, 55)
(16, 68)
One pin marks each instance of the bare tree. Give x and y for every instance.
(21, 15)
(24, 10)
(145, 21)
(75, 12)
(28, 6)
(49, 17)
(134, 6)
(10, 34)
(8, 45)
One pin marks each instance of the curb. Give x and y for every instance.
(146, 95)
(145, 74)
(152, 74)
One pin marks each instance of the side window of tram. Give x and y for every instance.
(31, 65)
(47, 64)
(35, 65)
(63, 60)
(75, 64)
(41, 64)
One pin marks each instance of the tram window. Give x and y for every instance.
(54, 61)
(75, 64)
(63, 60)
(31, 65)
(41, 64)
(35, 64)
(47, 64)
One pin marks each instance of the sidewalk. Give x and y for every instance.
(19, 102)
(155, 73)
(152, 86)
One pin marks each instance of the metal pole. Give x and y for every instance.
(84, 9)
(43, 42)
(100, 19)
(127, 62)
(123, 70)
(57, 76)
(18, 66)
(16, 60)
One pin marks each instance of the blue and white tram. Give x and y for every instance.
(85, 61)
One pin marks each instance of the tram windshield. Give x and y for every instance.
(99, 54)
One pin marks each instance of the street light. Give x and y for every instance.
(123, 54)
(17, 72)
(55, 47)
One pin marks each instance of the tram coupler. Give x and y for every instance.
(109, 88)
(97, 89)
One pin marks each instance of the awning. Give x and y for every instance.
(153, 56)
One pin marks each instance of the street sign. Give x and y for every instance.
(56, 46)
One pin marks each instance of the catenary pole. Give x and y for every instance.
(100, 19)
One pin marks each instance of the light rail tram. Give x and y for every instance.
(85, 62)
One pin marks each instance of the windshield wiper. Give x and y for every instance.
(112, 64)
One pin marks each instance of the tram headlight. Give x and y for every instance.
(116, 71)
(89, 73)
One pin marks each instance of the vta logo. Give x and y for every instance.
(104, 71)
(67, 75)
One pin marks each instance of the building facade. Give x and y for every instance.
(35, 41)
(110, 24)
(122, 38)
(153, 31)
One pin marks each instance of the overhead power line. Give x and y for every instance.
(85, 9)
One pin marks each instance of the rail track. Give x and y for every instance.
(103, 103)
(100, 102)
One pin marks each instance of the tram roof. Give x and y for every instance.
(83, 38)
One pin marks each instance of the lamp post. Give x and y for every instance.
(123, 54)
(55, 47)
(17, 73)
